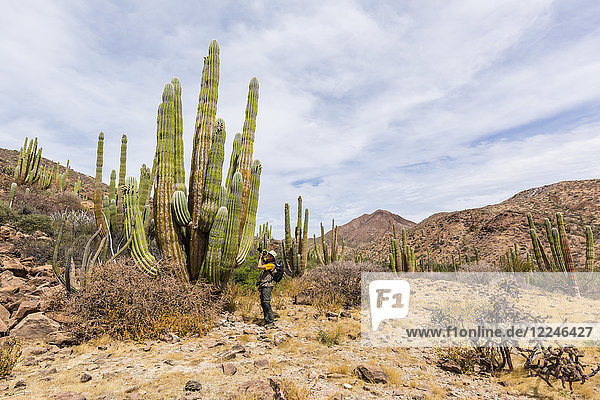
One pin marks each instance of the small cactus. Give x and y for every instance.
(11, 196)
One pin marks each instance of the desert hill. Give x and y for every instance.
(369, 228)
(494, 228)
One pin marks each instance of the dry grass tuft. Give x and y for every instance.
(293, 391)
(10, 355)
(124, 303)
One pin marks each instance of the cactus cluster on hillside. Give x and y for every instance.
(295, 248)
(561, 258)
(328, 253)
(264, 236)
(402, 256)
(27, 169)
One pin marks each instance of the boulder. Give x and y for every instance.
(371, 373)
(35, 326)
(4, 313)
(13, 265)
(26, 308)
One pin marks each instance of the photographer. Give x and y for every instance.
(266, 263)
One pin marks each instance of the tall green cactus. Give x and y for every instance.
(164, 185)
(123, 161)
(589, 249)
(112, 192)
(11, 196)
(100, 221)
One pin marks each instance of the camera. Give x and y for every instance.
(262, 252)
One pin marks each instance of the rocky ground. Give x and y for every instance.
(237, 359)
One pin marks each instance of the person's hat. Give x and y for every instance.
(272, 252)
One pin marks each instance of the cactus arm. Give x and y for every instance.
(212, 180)
(249, 227)
(246, 150)
(180, 210)
(205, 117)
(234, 158)
(112, 186)
(213, 260)
(568, 257)
(123, 161)
(179, 155)
(230, 246)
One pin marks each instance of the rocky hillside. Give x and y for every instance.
(493, 229)
(8, 161)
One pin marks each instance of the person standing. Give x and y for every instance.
(266, 263)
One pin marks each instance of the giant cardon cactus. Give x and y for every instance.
(296, 247)
(211, 231)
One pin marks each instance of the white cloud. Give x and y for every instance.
(414, 107)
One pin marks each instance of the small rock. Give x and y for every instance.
(229, 368)
(102, 347)
(69, 396)
(337, 396)
(134, 396)
(261, 363)
(371, 373)
(345, 314)
(49, 371)
(132, 389)
(192, 386)
(146, 348)
(61, 338)
(249, 331)
(85, 377)
(29, 361)
(169, 362)
(170, 337)
(20, 384)
(347, 386)
(452, 366)
(257, 389)
(3, 328)
(302, 299)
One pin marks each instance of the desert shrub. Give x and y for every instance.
(7, 215)
(330, 338)
(10, 354)
(341, 278)
(29, 223)
(247, 274)
(123, 302)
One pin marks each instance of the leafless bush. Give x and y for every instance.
(123, 302)
(341, 278)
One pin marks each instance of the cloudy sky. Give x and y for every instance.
(411, 106)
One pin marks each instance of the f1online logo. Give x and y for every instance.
(388, 300)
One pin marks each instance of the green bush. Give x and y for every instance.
(247, 274)
(7, 214)
(29, 223)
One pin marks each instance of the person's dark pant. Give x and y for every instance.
(265, 303)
